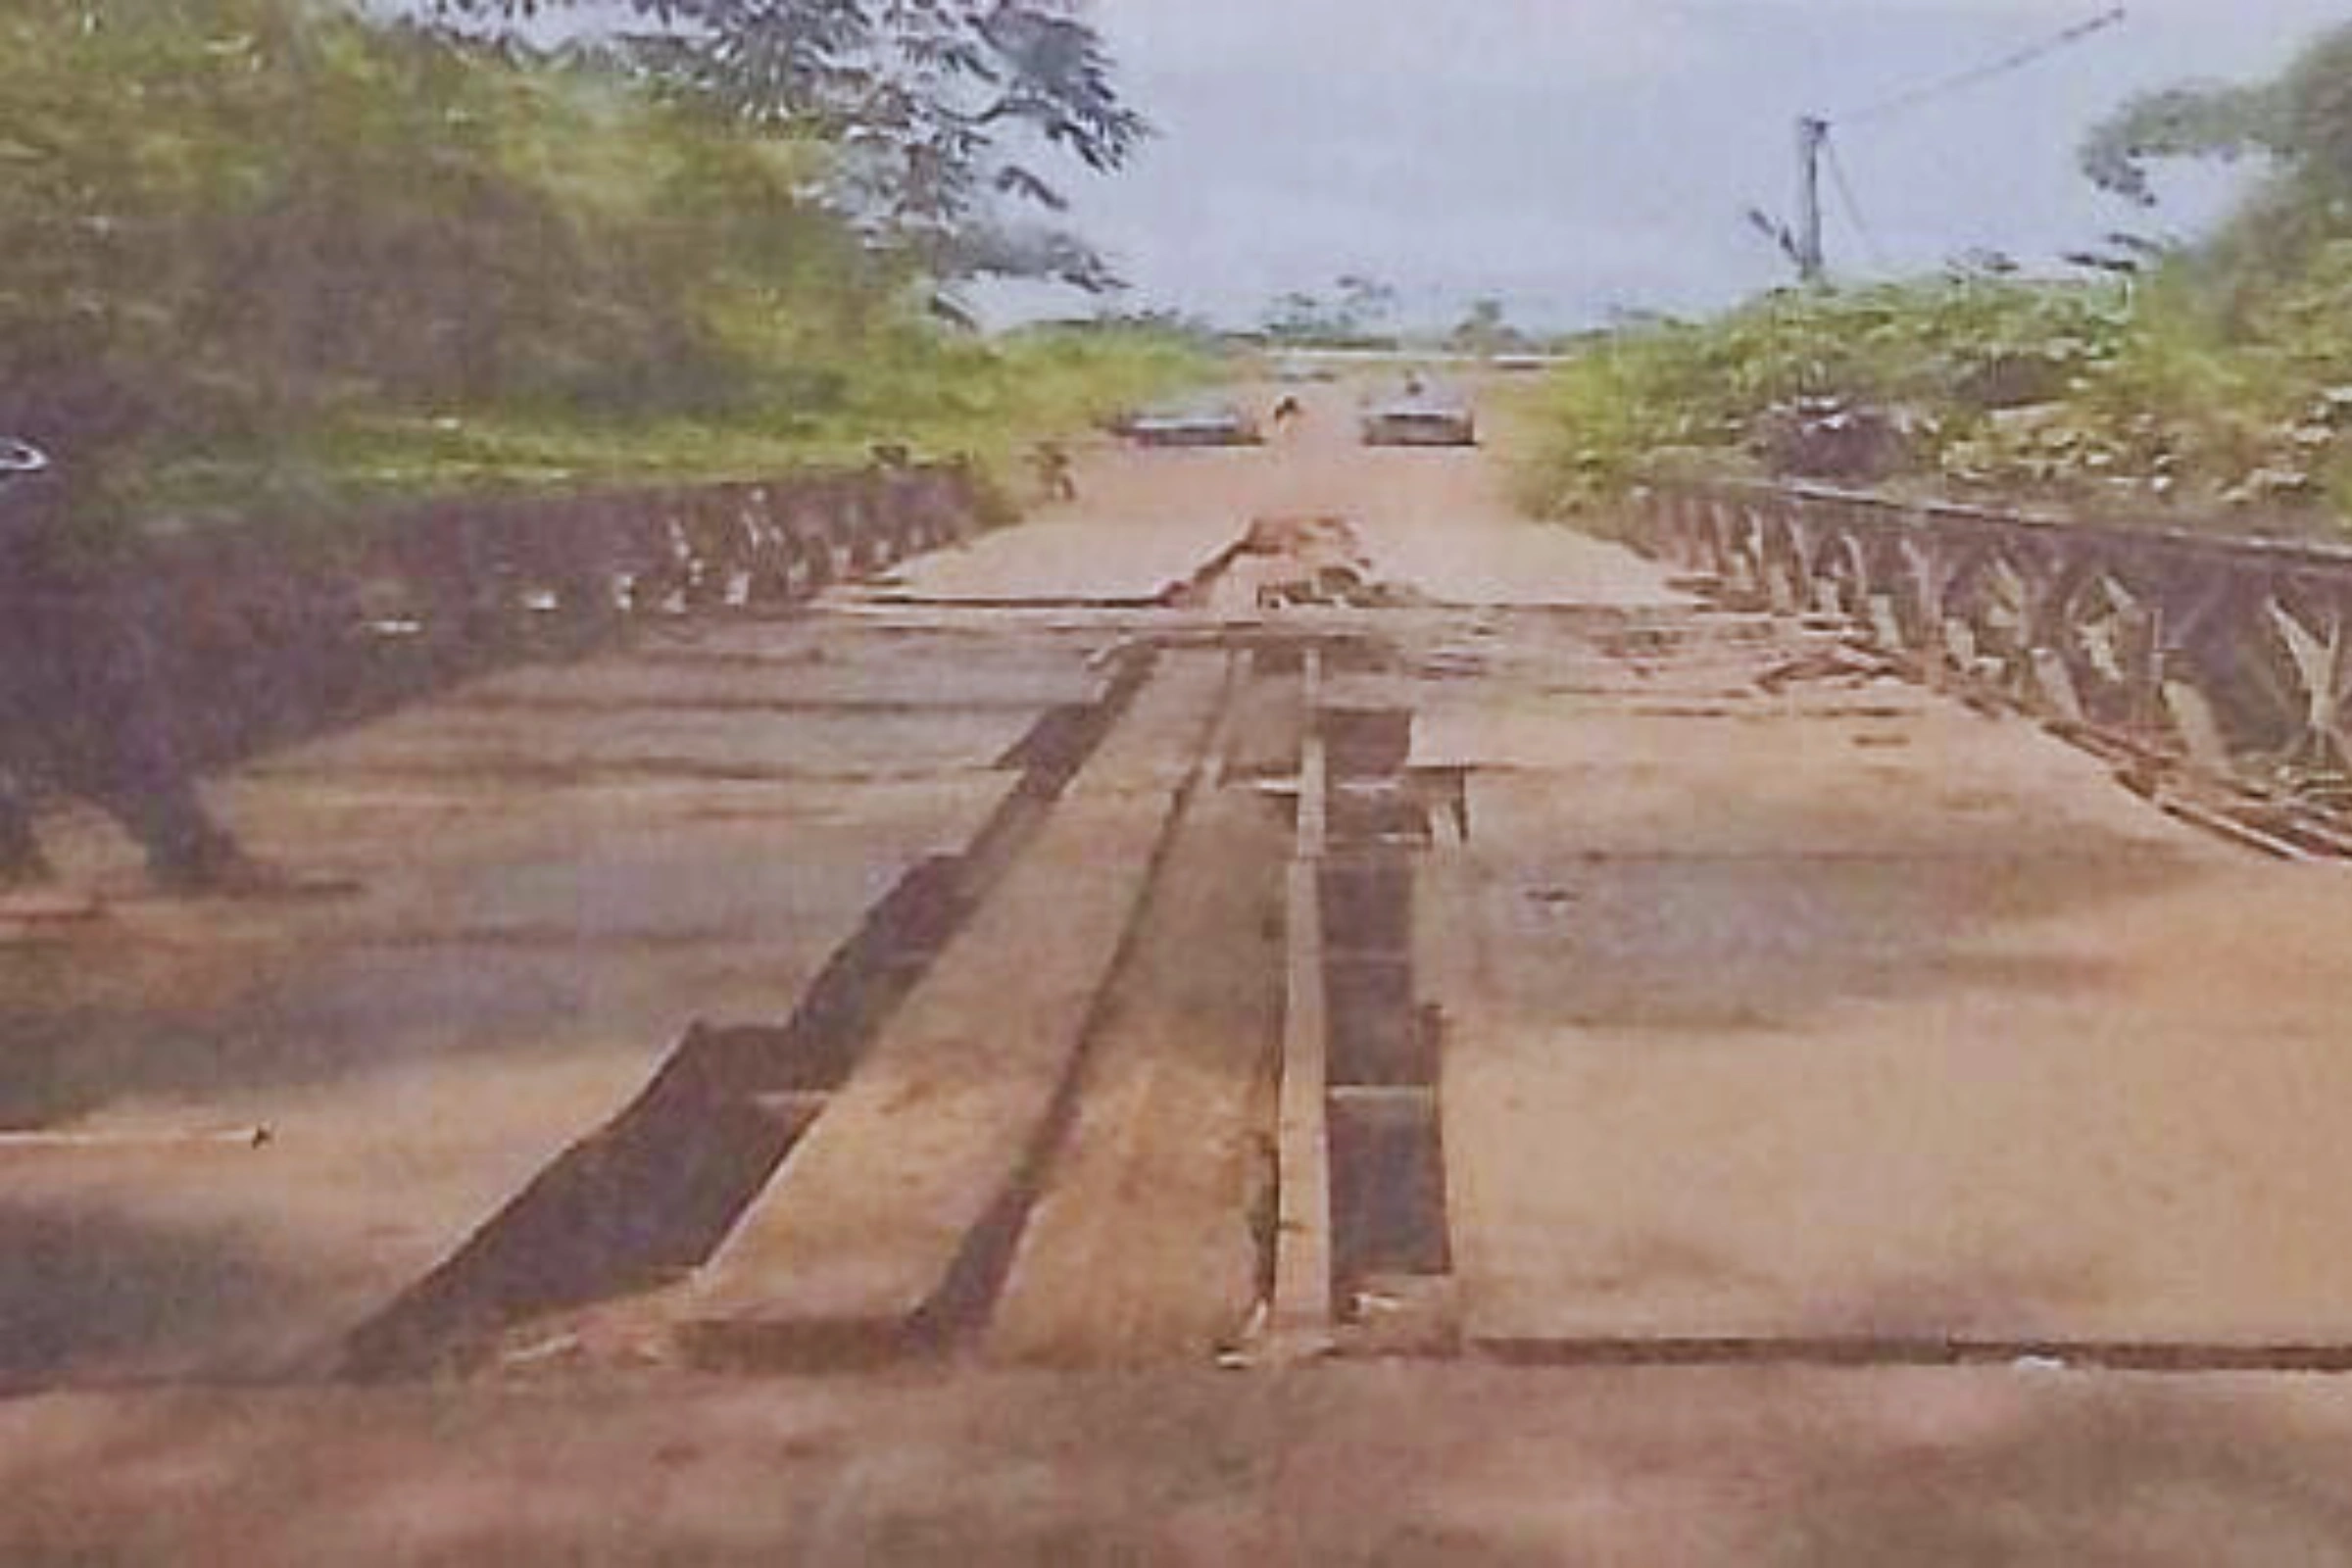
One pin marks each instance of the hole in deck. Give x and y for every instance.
(1378, 1040)
(1387, 1188)
(1368, 905)
(1386, 1161)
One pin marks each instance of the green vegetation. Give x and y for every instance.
(1356, 314)
(261, 253)
(2207, 384)
(934, 391)
(946, 112)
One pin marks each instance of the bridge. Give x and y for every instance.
(1353, 1024)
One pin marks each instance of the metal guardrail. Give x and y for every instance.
(2230, 655)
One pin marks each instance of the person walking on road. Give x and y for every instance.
(1055, 478)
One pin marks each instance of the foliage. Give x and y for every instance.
(2302, 121)
(938, 107)
(912, 388)
(1487, 329)
(1953, 353)
(328, 250)
(1354, 312)
(2214, 382)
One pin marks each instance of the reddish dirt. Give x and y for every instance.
(1405, 1464)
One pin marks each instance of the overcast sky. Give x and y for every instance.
(1575, 156)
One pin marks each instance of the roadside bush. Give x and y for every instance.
(2215, 385)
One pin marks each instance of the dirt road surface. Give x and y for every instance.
(1393, 1035)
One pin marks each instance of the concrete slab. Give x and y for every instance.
(1879, 777)
(872, 672)
(1098, 560)
(1806, 1025)
(521, 955)
(567, 742)
(1454, 555)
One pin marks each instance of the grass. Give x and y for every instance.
(991, 400)
(2124, 404)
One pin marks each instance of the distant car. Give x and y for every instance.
(1207, 424)
(1304, 373)
(1421, 415)
(1520, 364)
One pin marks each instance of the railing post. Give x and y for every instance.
(1929, 573)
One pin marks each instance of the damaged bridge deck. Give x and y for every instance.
(1314, 913)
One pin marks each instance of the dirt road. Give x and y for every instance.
(1276, 1011)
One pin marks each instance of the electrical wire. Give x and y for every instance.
(2032, 53)
(1853, 208)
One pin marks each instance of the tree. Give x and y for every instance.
(938, 109)
(2299, 124)
(1365, 302)
(2301, 121)
(1486, 330)
(1355, 309)
(315, 212)
(1298, 317)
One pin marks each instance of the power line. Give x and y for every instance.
(1801, 241)
(2032, 53)
(1853, 208)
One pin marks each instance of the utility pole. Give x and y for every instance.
(1803, 242)
(1812, 135)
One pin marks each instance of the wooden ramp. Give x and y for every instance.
(880, 1218)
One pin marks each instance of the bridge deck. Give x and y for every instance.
(1840, 1013)
(1786, 1013)
(563, 867)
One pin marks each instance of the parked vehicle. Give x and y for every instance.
(1208, 425)
(1421, 415)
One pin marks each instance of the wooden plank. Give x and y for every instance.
(1303, 1303)
(1145, 1247)
(1302, 1318)
(856, 1244)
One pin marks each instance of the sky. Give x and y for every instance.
(1579, 156)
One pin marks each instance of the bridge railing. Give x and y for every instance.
(2232, 655)
(235, 639)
